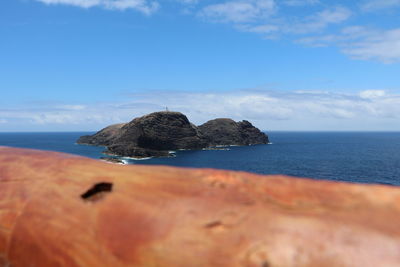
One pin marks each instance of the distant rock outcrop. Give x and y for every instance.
(103, 137)
(157, 133)
(228, 132)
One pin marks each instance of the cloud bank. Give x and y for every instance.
(377, 110)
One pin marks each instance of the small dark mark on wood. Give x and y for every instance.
(213, 224)
(97, 191)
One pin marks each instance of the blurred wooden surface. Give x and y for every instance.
(63, 210)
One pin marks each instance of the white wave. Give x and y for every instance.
(133, 158)
(221, 146)
(118, 163)
(216, 148)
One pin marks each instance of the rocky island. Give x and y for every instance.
(155, 134)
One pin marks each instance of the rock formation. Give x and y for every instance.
(157, 133)
(228, 132)
(64, 210)
(104, 137)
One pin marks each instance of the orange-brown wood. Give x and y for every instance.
(164, 216)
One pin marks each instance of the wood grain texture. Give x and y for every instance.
(164, 216)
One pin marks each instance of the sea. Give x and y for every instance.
(358, 157)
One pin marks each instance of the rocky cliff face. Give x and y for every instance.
(104, 137)
(161, 131)
(63, 210)
(157, 133)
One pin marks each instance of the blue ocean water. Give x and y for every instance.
(362, 157)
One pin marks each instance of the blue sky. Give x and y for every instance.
(70, 65)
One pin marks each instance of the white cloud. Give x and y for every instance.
(372, 94)
(144, 6)
(374, 5)
(188, 2)
(308, 26)
(279, 25)
(239, 11)
(345, 36)
(277, 110)
(262, 29)
(296, 3)
(72, 107)
(80, 3)
(318, 21)
(383, 46)
(358, 42)
(362, 43)
(317, 30)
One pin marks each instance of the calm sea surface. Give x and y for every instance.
(363, 157)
